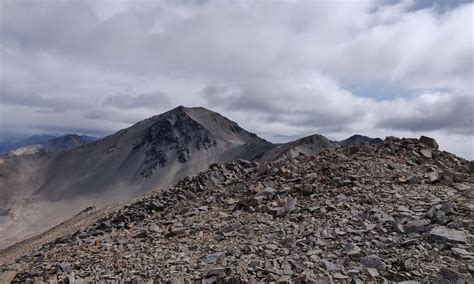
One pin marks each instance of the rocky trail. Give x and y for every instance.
(398, 211)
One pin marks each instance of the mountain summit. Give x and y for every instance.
(154, 153)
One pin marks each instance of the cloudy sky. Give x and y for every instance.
(281, 69)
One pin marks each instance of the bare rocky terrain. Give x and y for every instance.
(399, 211)
(42, 190)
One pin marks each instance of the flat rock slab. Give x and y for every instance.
(448, 235)
(213, 258)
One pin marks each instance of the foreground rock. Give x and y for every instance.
(367, 213)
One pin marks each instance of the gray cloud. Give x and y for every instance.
(281, 69)
(156, 100)
(429, 113)
(44, 104)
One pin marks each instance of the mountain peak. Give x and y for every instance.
(186, 109)
(358, 139)
(151, 154)
(182, 131)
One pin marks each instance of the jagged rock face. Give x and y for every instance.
(360, 213)
(181, 135)
(154, 153)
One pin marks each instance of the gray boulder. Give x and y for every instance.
(428, 141)
(443, 234)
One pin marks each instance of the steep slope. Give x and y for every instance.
(154, 153)
(391, 212)
(62, 143)
(309, 146)
(20, 177)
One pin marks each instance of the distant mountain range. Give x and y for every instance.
(20, 145)
(11, 141)
(45, 184)
(55, 144)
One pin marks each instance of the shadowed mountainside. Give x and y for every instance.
(44, 189)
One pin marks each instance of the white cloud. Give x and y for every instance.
(281, 69)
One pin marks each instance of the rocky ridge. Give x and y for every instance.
(398, 211)
(358, 139)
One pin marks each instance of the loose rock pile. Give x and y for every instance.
(399, 211)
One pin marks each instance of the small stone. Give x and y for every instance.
(462, 253)
(409, 242)
(229, 229)
(268, 192)
(156, 206)
(450, 275)
(340, 276)
(247, 203)
(433, 176)
(142, 234)
(416, 226)
(286, 209)
(176, 231)
(216, 271)
(397, 227)
(407, 265)
(331, 267)
(449, 208)
(373, 261)
(469, 193)
(373, 272)
(313, 252)
(426, 153)
(351, 249)
(63, 267)
(395, 166)
(403, 208)
(353, 272)
(213, 258)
